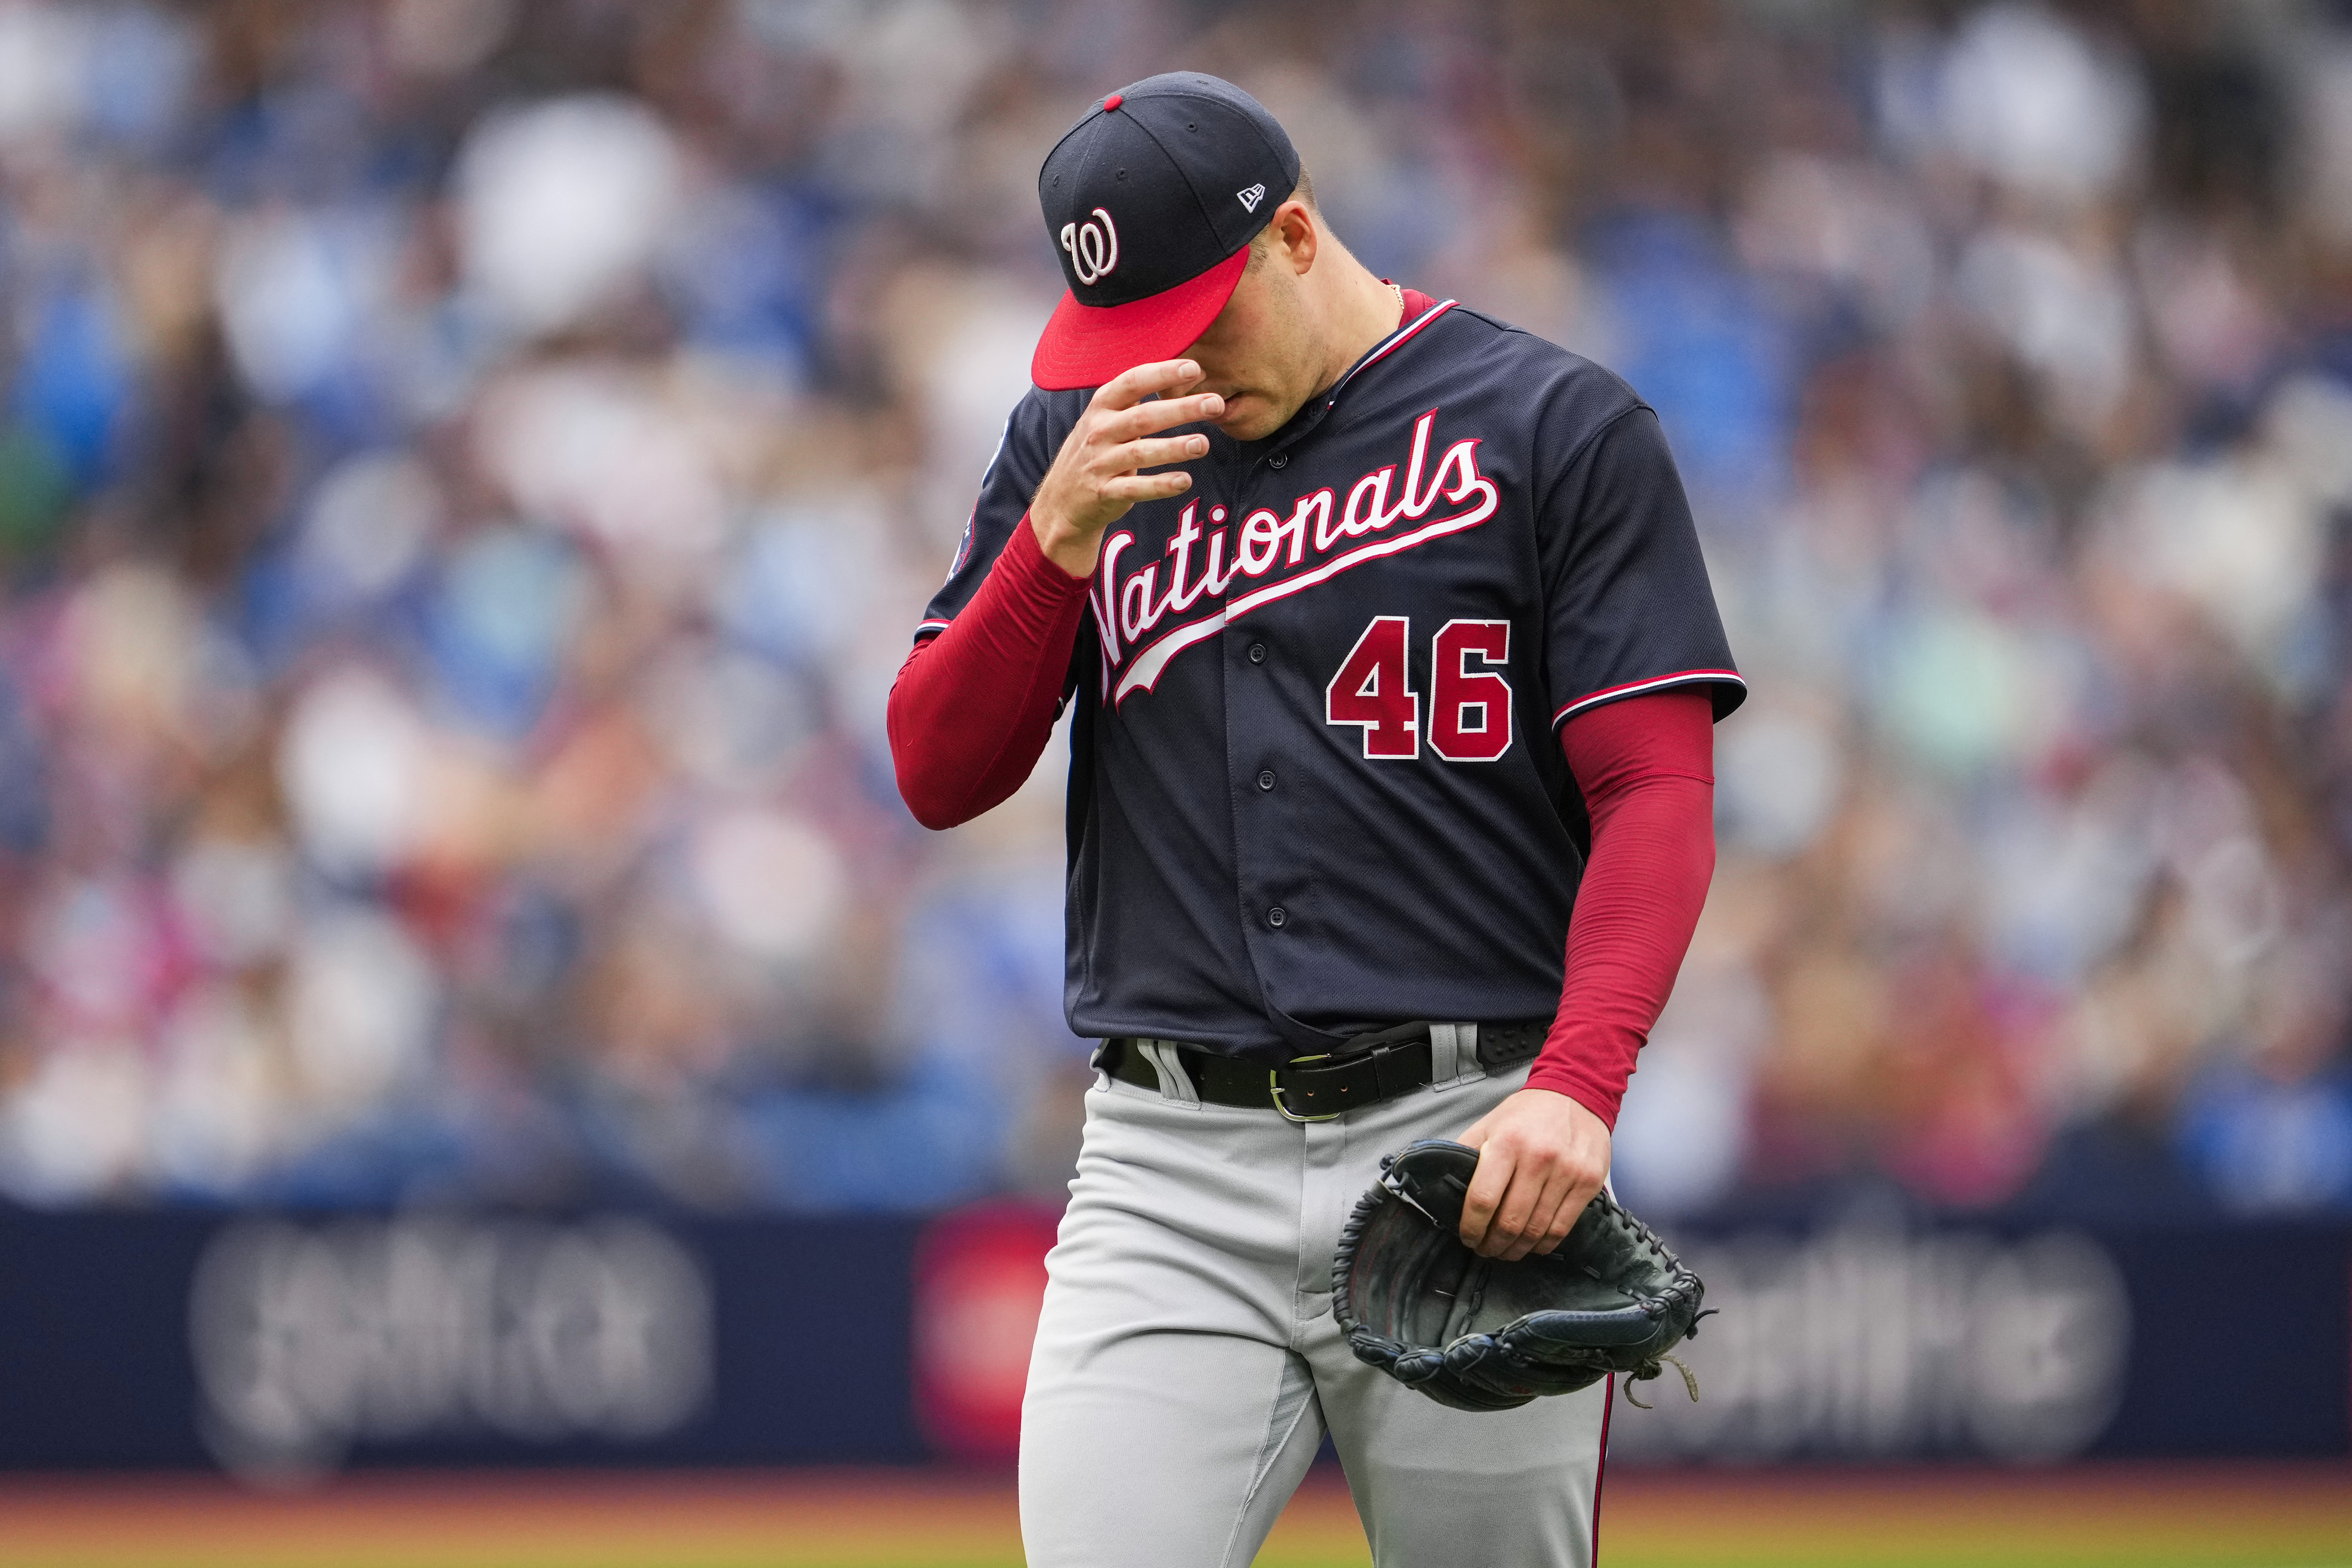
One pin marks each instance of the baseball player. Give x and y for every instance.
(1394, 665)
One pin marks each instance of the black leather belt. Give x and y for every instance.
(1369, 1069)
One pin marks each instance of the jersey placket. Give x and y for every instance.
(1273, 885)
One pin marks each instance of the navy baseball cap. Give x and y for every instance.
(1151, 201)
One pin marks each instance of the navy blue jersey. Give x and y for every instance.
(1315, 783)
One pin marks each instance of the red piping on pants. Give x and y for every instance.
(1600, 1468)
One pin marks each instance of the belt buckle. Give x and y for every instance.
(1274, 1086)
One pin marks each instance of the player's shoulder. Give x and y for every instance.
(1572, 397)
(1034, 431)
(1042, 411)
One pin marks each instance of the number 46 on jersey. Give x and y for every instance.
(1470, 708)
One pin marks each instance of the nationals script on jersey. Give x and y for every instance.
(1314, 785)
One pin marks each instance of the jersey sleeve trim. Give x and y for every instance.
(1656, 683)
(929, 629)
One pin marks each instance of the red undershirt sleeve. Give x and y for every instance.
(974, 706)
(1646, 765)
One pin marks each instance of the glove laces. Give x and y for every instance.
(1690, 1380)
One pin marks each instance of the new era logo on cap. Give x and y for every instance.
(1150, 254)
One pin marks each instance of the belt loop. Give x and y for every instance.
(1454, 1055)
(1175, 1083)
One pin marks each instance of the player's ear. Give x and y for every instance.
(1295, 234)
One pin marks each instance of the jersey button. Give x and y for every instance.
(1257, 653)
(1265, 779)
(1275, 917)
(1279, 460)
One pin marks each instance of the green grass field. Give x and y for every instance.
(2150, 1516)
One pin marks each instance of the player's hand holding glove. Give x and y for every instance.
(1482, 1334)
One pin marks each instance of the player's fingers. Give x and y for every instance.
(1545, 1226)
(1133, 488)
(1151, 454)
(1148, 418)
(1512, 1241)
(1564, 1218)
(1510, 1236)
(1527, 1205)
(1129, 387)
(1488, 1184)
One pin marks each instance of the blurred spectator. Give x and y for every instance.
(467, 472)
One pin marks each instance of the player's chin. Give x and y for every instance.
(1247, 417)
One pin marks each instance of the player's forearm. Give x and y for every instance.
(973, 708)
(1646, 768)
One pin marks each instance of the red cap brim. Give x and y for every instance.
(1085, 345)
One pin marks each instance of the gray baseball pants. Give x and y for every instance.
(1187, 1364)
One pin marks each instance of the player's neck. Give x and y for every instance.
(1360, 311)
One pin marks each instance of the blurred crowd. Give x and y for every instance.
(469, 471)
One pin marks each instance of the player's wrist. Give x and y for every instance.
(1038, 571)
(1571, 1082)
(1073, 549)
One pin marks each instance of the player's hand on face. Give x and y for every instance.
(1541, 1156)
(1096, 478)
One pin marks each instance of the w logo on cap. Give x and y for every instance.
(1251, 197)
(1093, 247)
